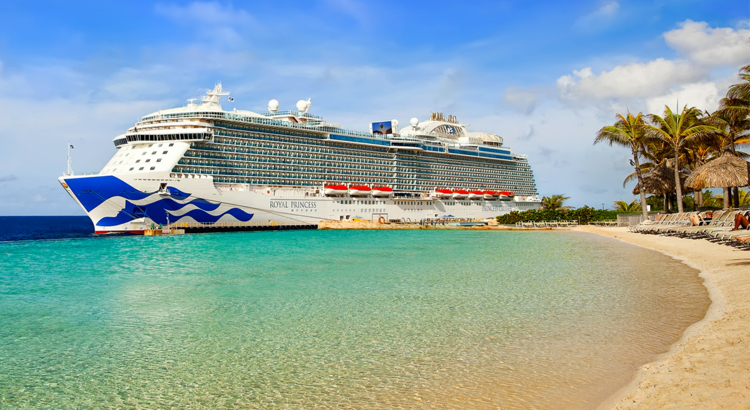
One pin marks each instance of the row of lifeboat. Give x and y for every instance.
(384, 192)
(464, 194)
(339, 190)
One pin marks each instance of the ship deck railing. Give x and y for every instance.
(253, 120)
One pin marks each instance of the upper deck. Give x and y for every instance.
(197, 122)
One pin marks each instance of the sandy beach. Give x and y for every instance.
(709, 367)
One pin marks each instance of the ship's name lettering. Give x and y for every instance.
(294, 204)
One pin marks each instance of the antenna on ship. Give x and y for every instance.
(70, 161)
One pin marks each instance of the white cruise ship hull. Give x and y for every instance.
(134, 203)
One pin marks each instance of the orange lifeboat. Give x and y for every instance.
(382, 191)
(335, 190)
(460, 194)
(444, 193)
(359, 190)
(476, 194)
(490, 195)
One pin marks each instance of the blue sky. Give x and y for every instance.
(544, 75)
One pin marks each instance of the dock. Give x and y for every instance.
(194, 227)
(426, 225)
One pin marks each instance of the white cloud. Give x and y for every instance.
(710, 46)
(651, 84)
(633, 80)
(703, 95)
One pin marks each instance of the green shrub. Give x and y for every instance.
(583, 215)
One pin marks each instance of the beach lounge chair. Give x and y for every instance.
(690, 231)
(725, 226)
(680, 219)
(680, 230)
(647, 226)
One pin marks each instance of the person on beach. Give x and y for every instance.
(697, 220)
(741, 220)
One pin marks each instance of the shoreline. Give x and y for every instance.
(707, 366)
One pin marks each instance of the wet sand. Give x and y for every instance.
(709, 367)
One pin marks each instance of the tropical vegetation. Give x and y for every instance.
(582, 215)
(668, 148)
(554, 202)
(633, 206)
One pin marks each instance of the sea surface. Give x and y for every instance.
(330, 319)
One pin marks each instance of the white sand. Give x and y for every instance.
(709, 367)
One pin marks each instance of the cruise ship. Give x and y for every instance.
(201, 164)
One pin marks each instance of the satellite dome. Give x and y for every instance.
(414, 122)
(302, 106)
(273, 106)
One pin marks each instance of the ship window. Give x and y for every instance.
(153, 168)
(140, 169)
(150, 145)
(158, 160)
(148, 160)
(171, 145)
(130, 169)
(144, 153)
(165, 152)
(153, 153)
(161, 145)
(137, 161)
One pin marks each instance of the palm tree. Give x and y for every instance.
(741, 91)
(627, 207)
(677, 129)
(629, 132)
(554, 202)
(710, 200)
(698, 154)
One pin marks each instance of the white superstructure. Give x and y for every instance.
(200, 163)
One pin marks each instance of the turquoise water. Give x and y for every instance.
(334, 319)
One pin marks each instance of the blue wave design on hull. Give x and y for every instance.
(157, 212)
(205, 217)
(93, 191)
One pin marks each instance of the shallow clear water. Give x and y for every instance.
(334, 319)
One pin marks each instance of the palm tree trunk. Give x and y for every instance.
(699, 198)
(666, 208)
(736, 197)
(677, 178)
(726, 198)
(644, 207)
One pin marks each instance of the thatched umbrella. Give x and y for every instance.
(727, 171)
